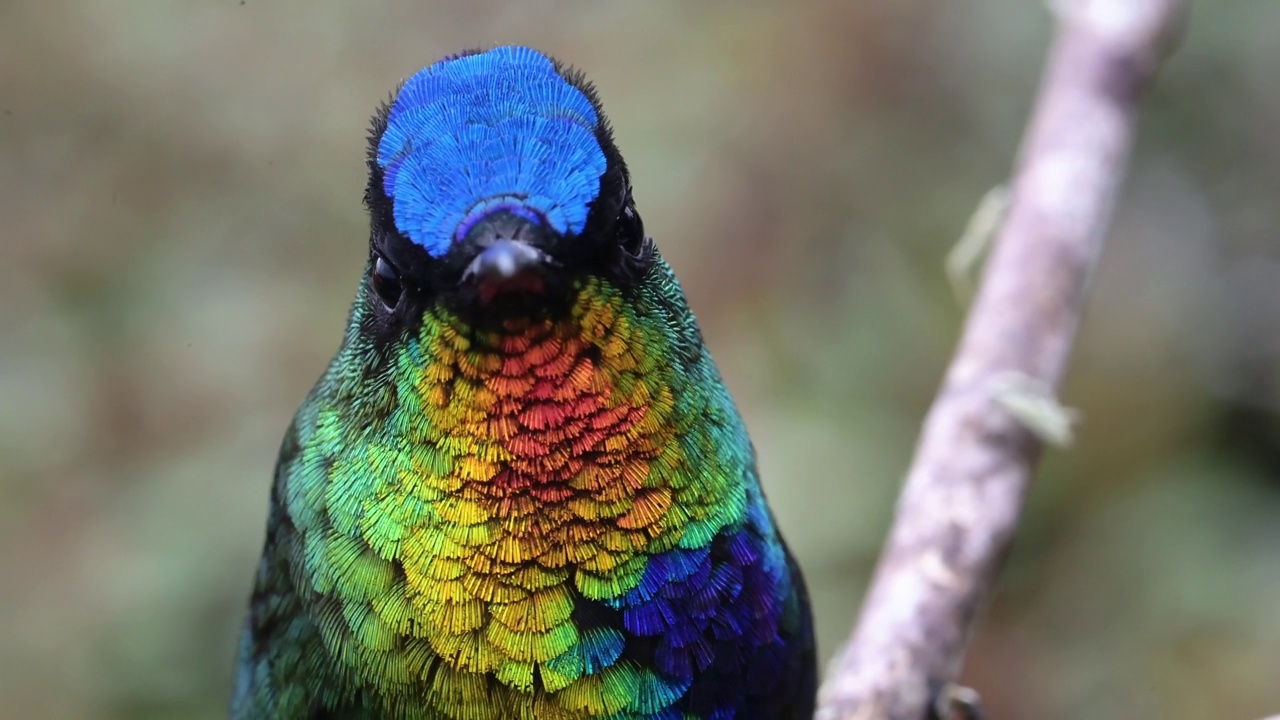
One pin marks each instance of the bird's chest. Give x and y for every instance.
(545, 504)
(528, 472)
(545, 452)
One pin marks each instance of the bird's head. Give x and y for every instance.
(495, 187)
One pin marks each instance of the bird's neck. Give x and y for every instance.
(511, 458)
(565, 431)
(467, 498)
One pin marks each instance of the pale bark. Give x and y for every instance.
(965, 490)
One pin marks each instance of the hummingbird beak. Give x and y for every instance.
(506, 265)
(503, 260)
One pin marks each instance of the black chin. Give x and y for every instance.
(490, 308)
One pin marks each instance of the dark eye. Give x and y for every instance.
(631, 230)
(386, 282)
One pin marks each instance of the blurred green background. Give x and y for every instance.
(181, 234)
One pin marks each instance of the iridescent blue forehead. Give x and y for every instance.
(499, 129)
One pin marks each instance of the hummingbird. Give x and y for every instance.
(521, 488)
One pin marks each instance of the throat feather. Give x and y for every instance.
(527, 471)
(554, 425)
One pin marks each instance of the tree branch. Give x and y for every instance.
(965, 490)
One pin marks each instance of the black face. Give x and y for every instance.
(507, 262)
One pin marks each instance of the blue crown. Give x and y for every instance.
(500, 129)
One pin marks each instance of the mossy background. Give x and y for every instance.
(181, 234)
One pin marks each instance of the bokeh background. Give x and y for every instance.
(181, 233)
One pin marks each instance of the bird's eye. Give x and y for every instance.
(631, 230)
(386, 282)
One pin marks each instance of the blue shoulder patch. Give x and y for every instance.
(499, 129)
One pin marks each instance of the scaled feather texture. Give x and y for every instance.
(523, 495)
